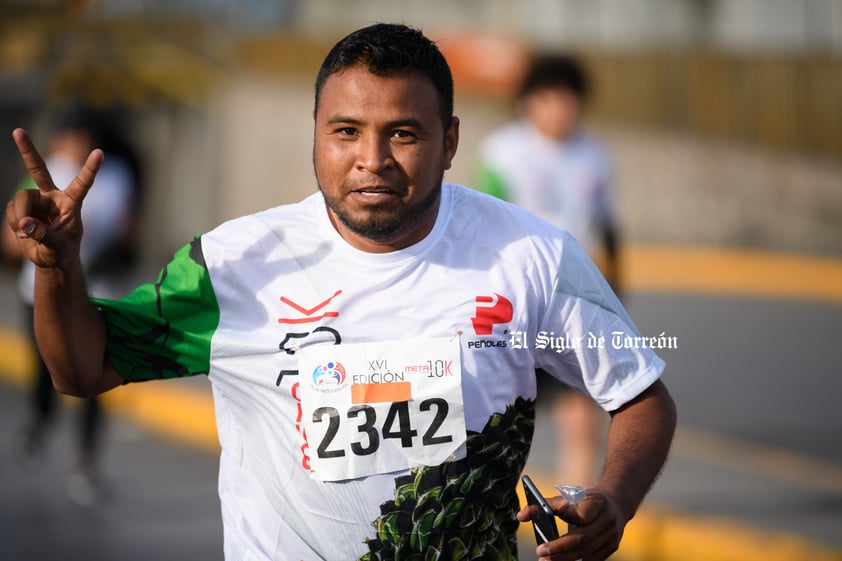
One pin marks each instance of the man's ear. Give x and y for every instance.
(451, 142)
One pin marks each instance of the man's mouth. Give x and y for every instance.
(374, 191)
(374, 194)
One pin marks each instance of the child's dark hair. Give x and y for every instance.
(556, 71)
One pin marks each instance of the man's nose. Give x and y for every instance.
(375, 154)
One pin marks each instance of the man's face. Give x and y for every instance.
(380, 151)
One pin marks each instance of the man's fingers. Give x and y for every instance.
(596, 504)
(11, 216)
(32, 229)
(562, 509)
(37, 169)
(33, 161)
(78, 188)
(25, 203)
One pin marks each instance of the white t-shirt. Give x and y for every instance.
(568, 183)
(248, 302)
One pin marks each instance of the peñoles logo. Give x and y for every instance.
(491, 310)
(330, 375)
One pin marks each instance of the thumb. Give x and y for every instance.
(32, 228)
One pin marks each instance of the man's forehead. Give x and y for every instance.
(358, 87)
(361, 73)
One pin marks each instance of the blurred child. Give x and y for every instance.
(545, 162)
(107, 252)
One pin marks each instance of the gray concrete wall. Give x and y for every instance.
(680, 189)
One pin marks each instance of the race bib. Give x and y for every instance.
(380, 407)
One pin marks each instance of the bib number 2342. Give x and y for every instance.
(381, 407)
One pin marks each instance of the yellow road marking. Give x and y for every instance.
(731, 271)
(172, 410)
(660, 534)
(17, 358)
(164, 407)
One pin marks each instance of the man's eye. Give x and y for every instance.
(402, 134)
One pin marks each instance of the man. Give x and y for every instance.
(545, 162)
(369, 402)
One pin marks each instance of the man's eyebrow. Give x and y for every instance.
(342, 119)
(407, 122)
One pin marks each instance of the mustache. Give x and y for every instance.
(374, 182)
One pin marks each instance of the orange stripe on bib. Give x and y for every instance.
(380, 393)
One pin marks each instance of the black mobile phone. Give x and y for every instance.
(544, 524)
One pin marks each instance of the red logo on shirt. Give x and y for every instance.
(308, 312)
(491, 310)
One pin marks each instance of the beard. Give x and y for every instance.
(383, 224)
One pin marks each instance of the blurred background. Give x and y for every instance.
(724, 119)
(724, 115)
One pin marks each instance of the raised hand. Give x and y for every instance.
(47, 221)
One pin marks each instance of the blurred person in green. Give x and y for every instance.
(546, 162)
(107, 251)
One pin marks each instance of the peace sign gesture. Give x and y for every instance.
(47, 221)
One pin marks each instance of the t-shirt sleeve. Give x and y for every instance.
(164, 329)
(591, 343)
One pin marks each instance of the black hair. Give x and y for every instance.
(106, 131)
(556, 71)
(388, 49)
(78, 117)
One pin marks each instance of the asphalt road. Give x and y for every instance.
(160, 498)
(756, 382)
